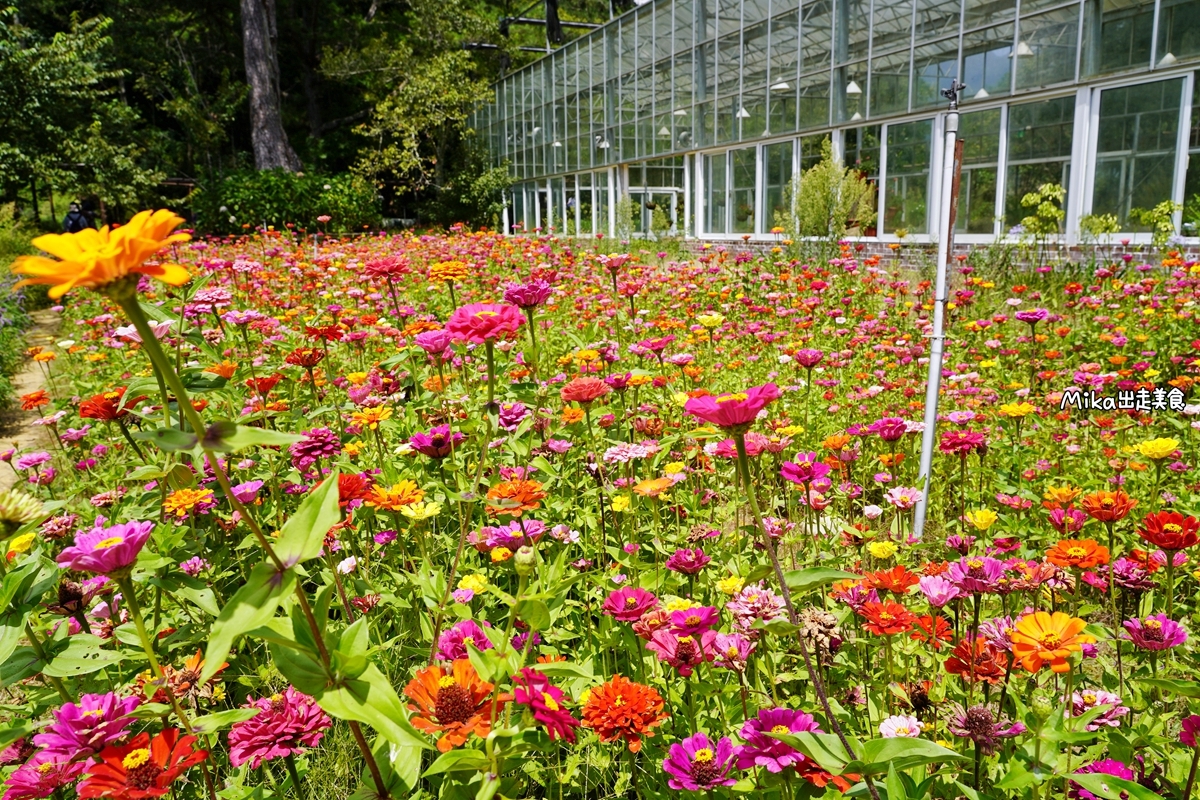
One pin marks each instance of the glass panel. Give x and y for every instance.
(741, 193)
(934, 67)
(516, 212)
(1117, 34)
(987, 12)
(852, 29)
(754, 10)
(817, 38)
(850, 84)
(729, 118)
(662, 32)
(680, 76)
(729, 65)
(715, 204)
(784, 55)
(987, 62)
(862, 151)
(586, 204)
(782, 101)
(907, 188)
(777, 171)
(1191, 187)
(889, 83)
(810, 151)
(980, 132)
(893, 26)
(684, 25)
(814, 101)
(1039, 150)
(1135, 148)
(937, 18)
(730, 14)
(754, 56)
(753, 114)
(1178, 30)
(1046, 50)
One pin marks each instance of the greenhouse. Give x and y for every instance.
(700, 112)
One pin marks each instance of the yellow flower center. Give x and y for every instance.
(694, 619)
(1171, 527)
(111, 541)
(1089, 698)
(549, 701)
(902, 730)
(1152, 624)
(732, 652)
(781, 729)
(620, 701)
(739, 396)
(468, 640)
(445, 681)
(703, 755)
(136, 758)
(974, 563)
(486, 314)
(631, 601)
(95, 712)
(1051, 639)
(1076, 552)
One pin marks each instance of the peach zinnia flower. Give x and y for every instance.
(1108, 506)
(95, 258)
(622, 709)
(653, 487)
(454, 704)
(395, 497)
(1042, 638)
(1081, 553)
(514, 498)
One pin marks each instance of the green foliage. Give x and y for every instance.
(825, 199)
(1046, 215)
(473, 192)
(1096, 226)
(274, 197)
(1160, 220)
(626, 211)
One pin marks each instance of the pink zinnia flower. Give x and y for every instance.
(683, 652)
(286, 724)
(452, 644)
(732, 650)
(83, 730)
(937, 590)
(533, 689)
(760, 750)
(890, 429)
(628, 603)
(1155, 632)
(697, 765)
(1085, 701)
(806, 469)
(41, 776)
(733, 411)
(105, 551)
(688, 560)
(479, 322)
(1191, 726)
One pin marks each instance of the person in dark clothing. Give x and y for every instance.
(75, 220)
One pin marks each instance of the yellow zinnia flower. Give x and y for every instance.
(882, 549)
(731, 585)
(420, 511)
(1158, 449)
(95, 258)
(1017, 410)
(982, 518)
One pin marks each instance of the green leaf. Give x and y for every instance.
(303, 535)
(904, 752)
(564, 669)
(370, 698)
(824, 748)
(211, 723)
(463, 760)
(252, 607)
(17, 731)
(301, 668)
(168, 439)
(1114, 788)
(1181, 688)
(84, 654)
(1017, 778)
(801, 580)
(230, 438)
(535, 613)
(895, 787)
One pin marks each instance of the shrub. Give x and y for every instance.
(825, 199)
(249, 198)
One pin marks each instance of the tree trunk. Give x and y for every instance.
(271, 147)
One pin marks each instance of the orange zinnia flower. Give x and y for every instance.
(622, 709)
(34, 400)
(1108, 506)
(1042, 638)
(653, 487)
(1060, 495)
(454, 704)
(885, 619)
(514, 498)
(979, 663)
(897, 580)
(95, 258)
(396, 497)
(1081, 553)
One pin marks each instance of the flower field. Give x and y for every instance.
(467, 516)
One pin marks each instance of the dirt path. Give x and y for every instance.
(15, 428)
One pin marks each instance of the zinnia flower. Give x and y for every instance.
(1042, 638)
(1108, 766)
(480, 322)
(622, 709)
(696, 765)
(886, 618)
(96, 258)
(84, 729)
(42, 775)
(1155, 632)
(900, 726)
(1082, 702)
(629, 603)
(547, 702)
(453, 704)
(980, 726)
(287, 724)
(761, 750)
(106, 551)
(733, 411)
(143, 768)
(1170, 530)
(452, 643)
(1078, 553)
(1108, 506)
(584, 391)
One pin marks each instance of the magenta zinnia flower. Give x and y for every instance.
(528, 295)
(438, 443)
(696, 765)
(1108, 766)
(688, 560)
(682, 651)
(732, 650)
(286, 724)
(976, 575)
(628, 603)
(733, 411)
(1156, 632)
(41, 776)
(82, 730)
(1191, 727)
(694, 621)
(533, 689)
(1083, 702)
(890, 429)
(761, 750)
(479, 322)
(806, 469)
(452, 644)
(937, 590)
(106, 551)
(754, 602)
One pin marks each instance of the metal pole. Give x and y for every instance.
(951, 168)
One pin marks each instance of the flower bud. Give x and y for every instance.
(1041, 707)
(525, 560)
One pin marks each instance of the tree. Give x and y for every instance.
(271, 147)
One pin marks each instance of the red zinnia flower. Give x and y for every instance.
(933, 630)
(622, 709)
(584, 390)
(897, 580)
(307, 357)
(978, 663)
(1170, 530)
(143, 768)
(106, 406)
(887, 618)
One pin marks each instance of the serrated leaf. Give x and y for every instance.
(251, 607)
(303, 535)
